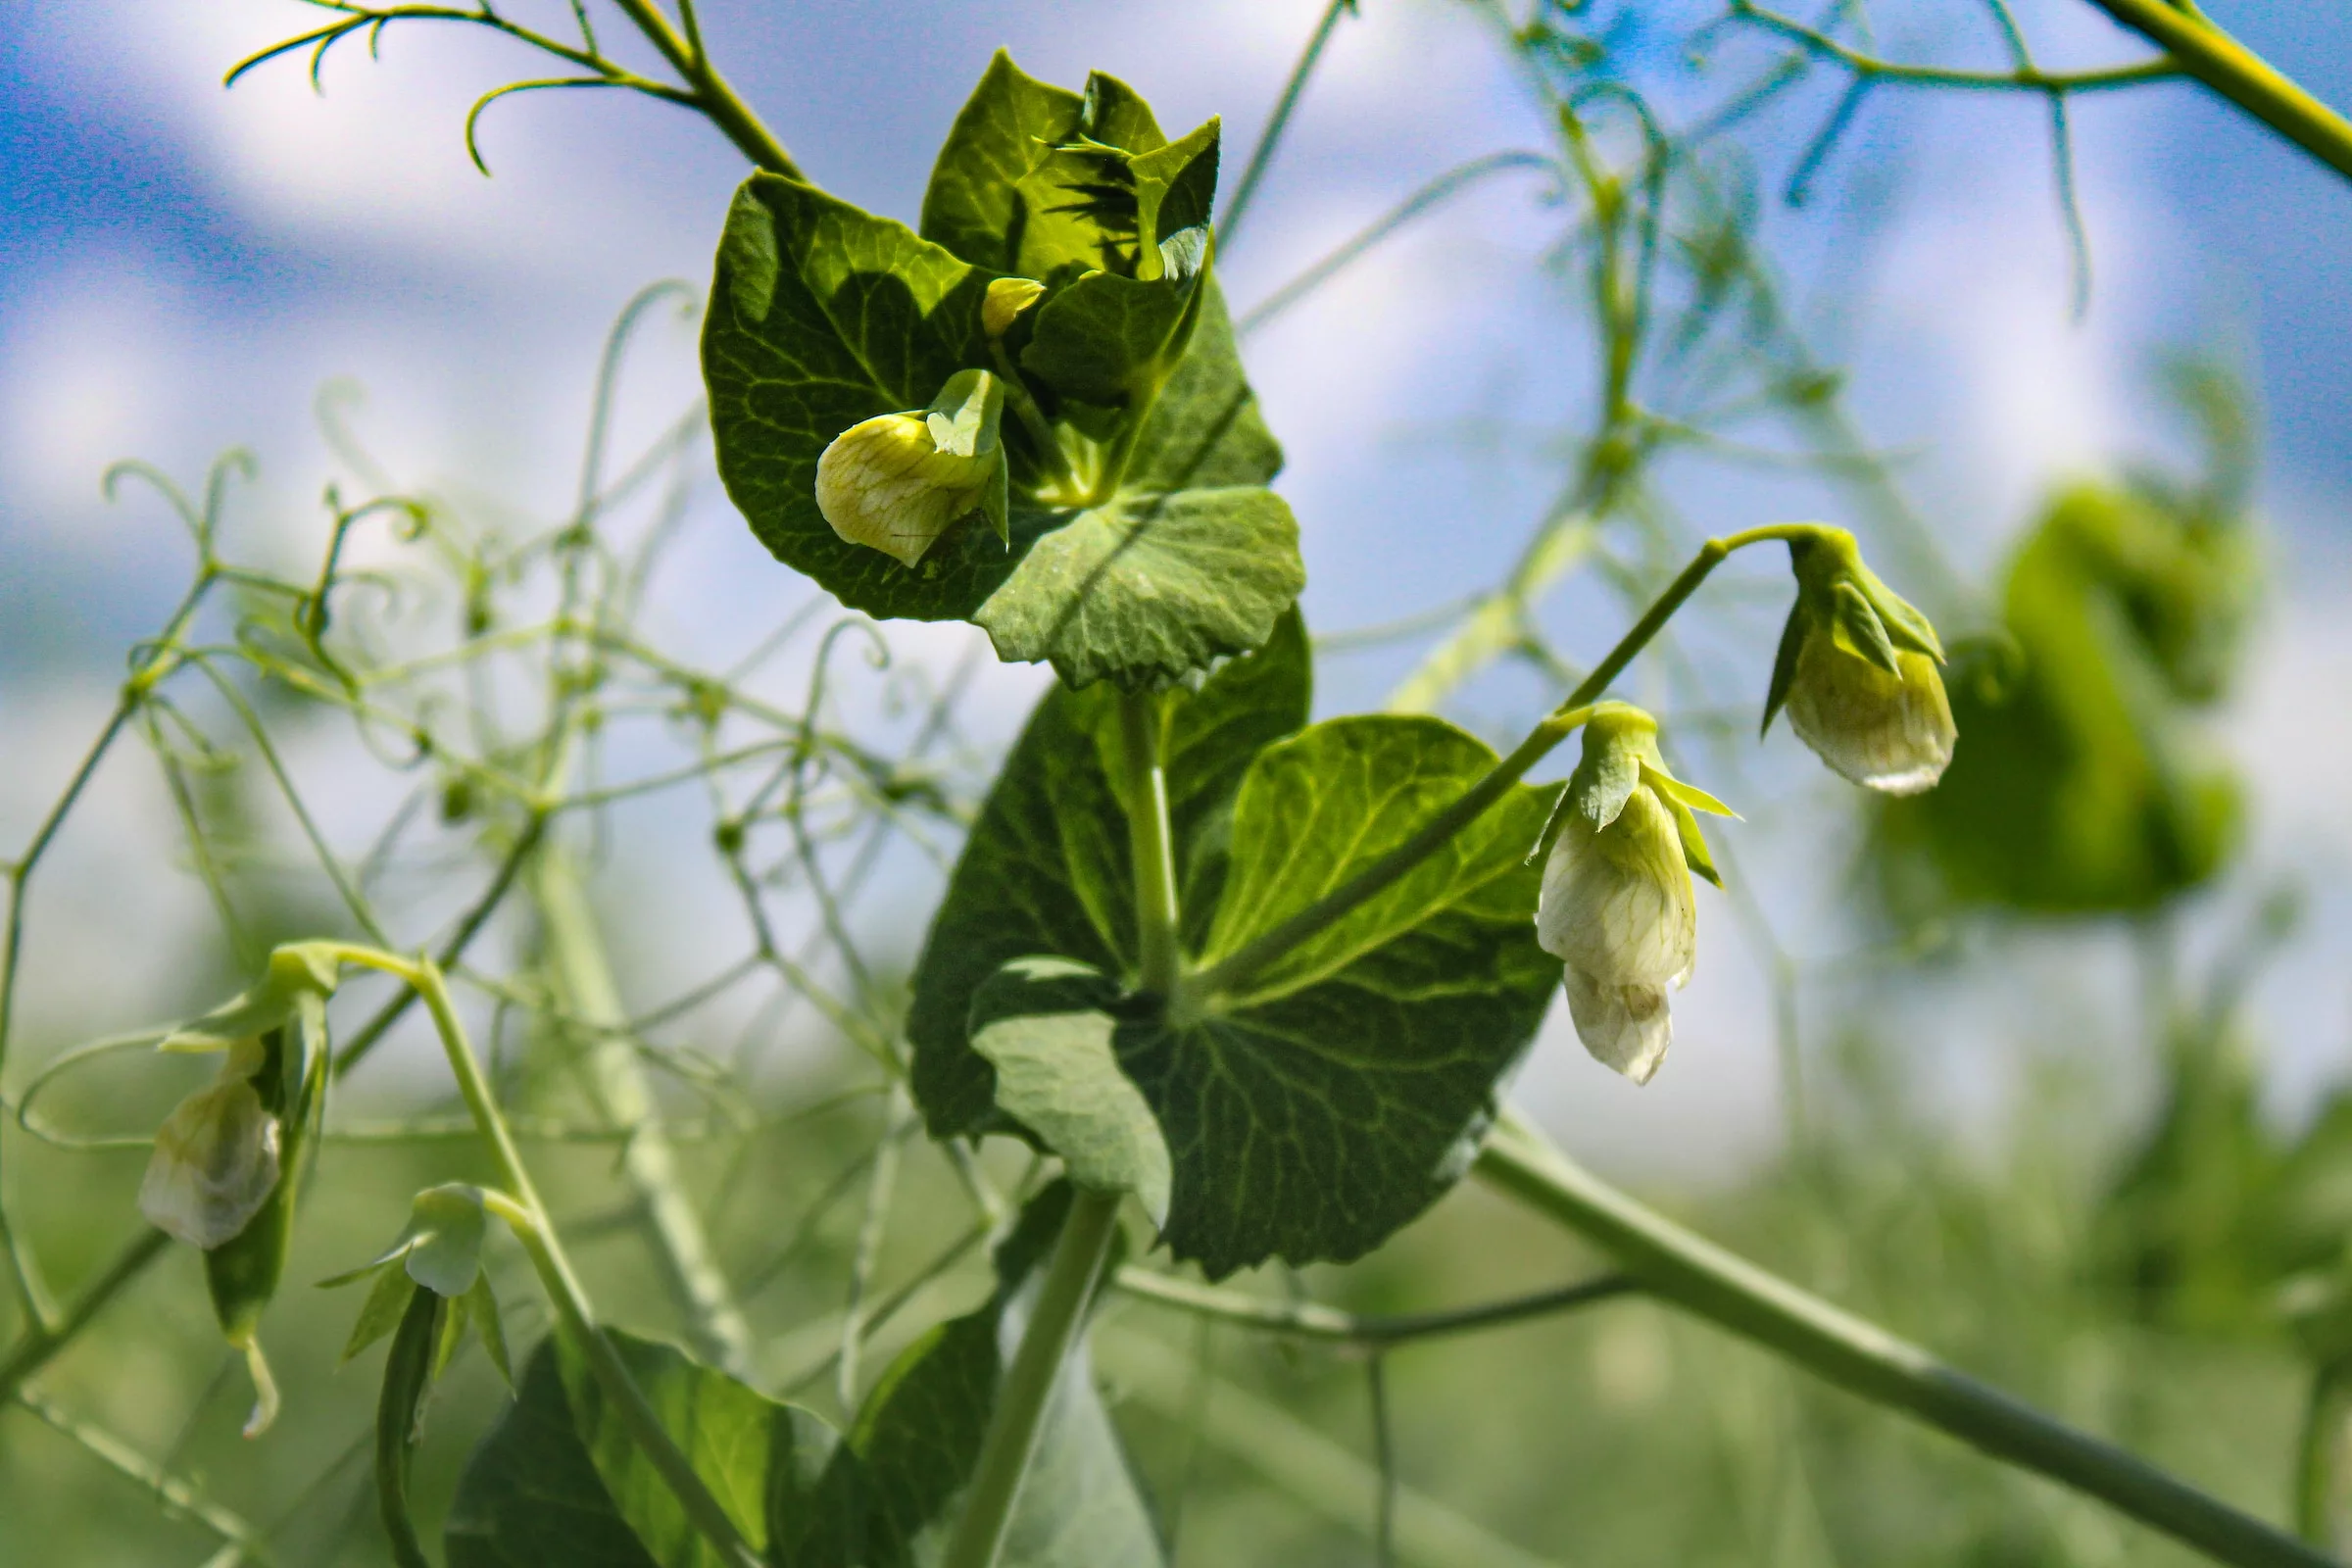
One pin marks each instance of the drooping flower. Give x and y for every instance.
(216, 1157)
(1857, 672)
(1617, 907)
(897, 481)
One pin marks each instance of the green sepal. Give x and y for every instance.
(1784, 663)
(380, 1313)
(1690, 796)
(1618, 739)
(296, 969)
(966, 417)
(481, 1311)
(1855, 626)
(1694, 843)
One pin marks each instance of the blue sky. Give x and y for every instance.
(182, 268)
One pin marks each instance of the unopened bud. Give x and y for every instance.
(1005, 299)
(1857, 671)
(897, 481)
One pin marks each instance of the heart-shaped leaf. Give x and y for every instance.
(1335, 1098)
(1046, 870)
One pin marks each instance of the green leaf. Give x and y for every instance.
(918, 1438)
(822, 315)
(1003, 197)
(1205, 431)
(1109, 340)
(1340, 1097)
(1345, 1092)
(726, 1431)
(1046, 870)
(1045, 1025)
(536, 1496)
(1144, 589)
(398, 1413)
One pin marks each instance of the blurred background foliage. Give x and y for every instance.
(463, 731)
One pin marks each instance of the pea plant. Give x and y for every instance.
(1234, 988)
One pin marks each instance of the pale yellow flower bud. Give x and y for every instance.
(1891, 732)
(1005, 299)
(897, 481)
(1857, 672)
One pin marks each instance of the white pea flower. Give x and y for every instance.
(1857, 671)
(216, 1157)
(897, 481)
(1617, 907)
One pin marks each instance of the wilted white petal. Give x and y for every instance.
(1891, 733)
(1626, 1028)
(887, 484)
(1616, 901)
(215, 1165)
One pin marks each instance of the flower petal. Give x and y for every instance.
(1616, 902)
(1626, 1028)
(1890, 733)
(215, 1165)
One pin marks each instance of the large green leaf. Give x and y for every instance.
(1313, 1115)
(822, 315)
(560, 1481)
(1149, 587)
(1046, 867)
(918, 1438)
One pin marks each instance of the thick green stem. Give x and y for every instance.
(2240, 75)
(1021, 1399)
(1702, 1277)
(1060, 1315)
(519, 1206)
(617, 1082)
(1233, 973)
(2321, 1457)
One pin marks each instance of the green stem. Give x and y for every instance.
(1233, 973)
(1060, 1315)
(2320, 1453)
(617, 1083)
(1150, 842)
(2240, 75)
(519, 1206)
(1262, 156)
(1703, 1279)
(1019, 1415)
(711, 93)
(1312, 1320)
